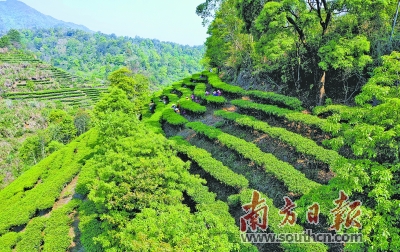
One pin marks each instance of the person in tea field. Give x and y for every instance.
(166, 99)
(152, 106)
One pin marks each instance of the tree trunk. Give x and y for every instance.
(322, 90)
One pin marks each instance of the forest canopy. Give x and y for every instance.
(95, 55)
(315, 49)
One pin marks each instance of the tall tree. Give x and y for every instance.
(306, 44)
(136, 86)
(14, 36)
(207, 9)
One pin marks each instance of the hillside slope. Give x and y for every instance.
(18, 15)
(29, 90)
(127, 185)
(95, 55)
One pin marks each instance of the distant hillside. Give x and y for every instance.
(29, 89)
(23, 77)
(95, 55)
(18, 15)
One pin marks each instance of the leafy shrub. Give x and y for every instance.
(277, 99)
(30, 85)
(290, 115)
(193, 107)
(54, 146)
(170, 116)
(214, 167)
(32, 238)
(82, 122)
(216, 83)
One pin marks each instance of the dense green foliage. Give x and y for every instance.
(96, 55)
(21, 197)
(311, 49)
(212, 166)
(173, 118)
(12, 37)
(134, 186)
(302, 144)
(150, 178)
(31, 130)
(137, 193)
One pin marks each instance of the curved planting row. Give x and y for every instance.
(38, 82)
(292, 178)
(216, 83)
(192, 106)
(206, 202)
(26, 181)
(170, 116)
(32, 238)
(16, 58)
(44, 233)
(57, 228)
(198, 77)
(47, 96)
(63, 95)
(47, 181)
(200, 91)
(227, 177)
(215, 168)
(75, 101)
(345, 112)
(44, 92)
(300, 143)
(269, 97)
(153, 121)
(276, 99)
(323, 124)
(60, 96)
(187, 82)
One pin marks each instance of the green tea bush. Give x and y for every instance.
(292, 178)
(214, 167)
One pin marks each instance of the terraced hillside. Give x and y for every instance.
(72, 96)
(252, 140)
(24, 77)
(88, 196)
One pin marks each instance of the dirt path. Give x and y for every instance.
(66, 194)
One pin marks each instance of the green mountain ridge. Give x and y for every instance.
(95, 55)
